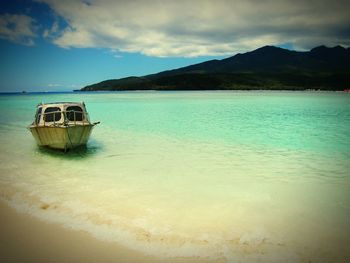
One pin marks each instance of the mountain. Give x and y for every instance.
(267, 67)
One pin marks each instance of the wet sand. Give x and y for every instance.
(27, 239)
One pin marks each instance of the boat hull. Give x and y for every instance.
(61, 137)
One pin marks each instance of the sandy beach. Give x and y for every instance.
(181, 177)
(27, 239)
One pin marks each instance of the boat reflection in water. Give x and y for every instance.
(61, 125)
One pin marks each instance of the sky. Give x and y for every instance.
(61, 45)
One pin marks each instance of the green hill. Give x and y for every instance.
(264, 68)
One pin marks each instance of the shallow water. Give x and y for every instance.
(241, 176)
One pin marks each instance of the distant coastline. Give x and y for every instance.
(266, 68)
(9, 93)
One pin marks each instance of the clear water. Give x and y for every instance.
(233, 176)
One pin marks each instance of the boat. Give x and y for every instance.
(61, 125)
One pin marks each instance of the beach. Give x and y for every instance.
(25, 238)
(181, 177)
(174, 131)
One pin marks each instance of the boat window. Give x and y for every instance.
(74, 113)
(38, 115)
(52, 114)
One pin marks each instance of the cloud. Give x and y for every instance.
(53, 31)
(19, 29)
(200, 27)
(54, 85)
(57, 85)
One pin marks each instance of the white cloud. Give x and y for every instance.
(18, 28)
(116, 54)
(53, 31)
(54, 85)
(200, 27)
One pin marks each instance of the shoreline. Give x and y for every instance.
(6, 93)
(25, 238)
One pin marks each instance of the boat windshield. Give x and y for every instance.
(74, 113)
(38, 115)
(52, 114)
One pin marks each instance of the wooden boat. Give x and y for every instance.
(61, 125)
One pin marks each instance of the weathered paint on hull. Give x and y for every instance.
(62, 137)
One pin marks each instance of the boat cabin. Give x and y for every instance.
(65, 113)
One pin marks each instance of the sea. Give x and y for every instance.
(233, 176)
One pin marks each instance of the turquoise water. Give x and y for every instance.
(236, 176)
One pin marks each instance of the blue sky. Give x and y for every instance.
(59, 45)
